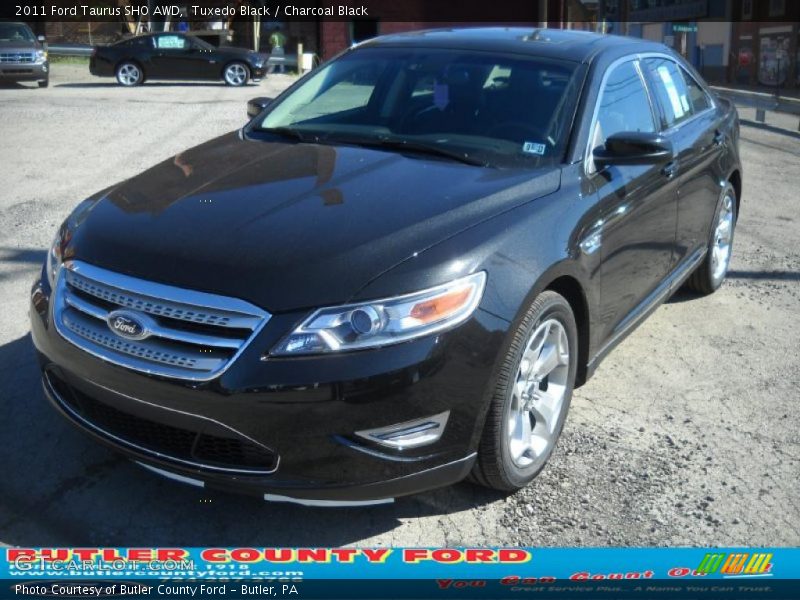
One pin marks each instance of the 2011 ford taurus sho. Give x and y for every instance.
(393, 277)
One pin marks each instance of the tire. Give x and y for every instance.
(236, 74)
(44, 83)
(710, 274)
(508, 460)
(129, 73)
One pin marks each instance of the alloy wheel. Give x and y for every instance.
(537, 398)
(723, 236)
(236, 74)
(129, 74)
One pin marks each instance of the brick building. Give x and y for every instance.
(765, 45)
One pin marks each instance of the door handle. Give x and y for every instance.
(670, 169)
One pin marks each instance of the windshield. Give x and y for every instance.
(493, 109)
(200, 44)
(15, 32)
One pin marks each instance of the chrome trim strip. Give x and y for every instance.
(171, 475)
(156, 357)
(327, 503)
(85, 307)
(356, 445)
(239, 314)
(158, 330)
(684, 71)
(637, 57)
(64, 406)
(413, 434)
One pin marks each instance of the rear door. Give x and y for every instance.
(690, 119)
(635, 231)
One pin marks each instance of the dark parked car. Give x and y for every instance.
(394, 276)
(176, 56)
(23, 56)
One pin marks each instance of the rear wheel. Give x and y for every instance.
(129, 74)
(236, 74)
(531, 396)
(712, 271)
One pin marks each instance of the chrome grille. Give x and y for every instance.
(159, 307)
(192, 335)
(16, 57)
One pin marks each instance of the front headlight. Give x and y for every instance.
(54, 260)
(387, 321)
(41, 56)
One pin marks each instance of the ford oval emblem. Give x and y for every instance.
(128, 324)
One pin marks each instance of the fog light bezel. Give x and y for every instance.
(408, 434)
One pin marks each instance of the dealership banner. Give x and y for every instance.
(264, 572)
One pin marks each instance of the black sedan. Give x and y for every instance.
(175, 56)
(394, 276)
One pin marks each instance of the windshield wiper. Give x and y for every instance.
(288, 132)
(417, 147)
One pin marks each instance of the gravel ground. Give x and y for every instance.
(687, 435)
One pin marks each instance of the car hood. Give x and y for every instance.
(288, 225)
(20, 46)
(235, 52)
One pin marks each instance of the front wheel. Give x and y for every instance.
(236, 74)
(712, 271)
(531, 396)
(44, 82)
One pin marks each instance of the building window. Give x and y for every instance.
(747, 10)
(777, 8)
(773, 66)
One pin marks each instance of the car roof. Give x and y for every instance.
(566, 44)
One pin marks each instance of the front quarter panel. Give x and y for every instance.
(523, 251)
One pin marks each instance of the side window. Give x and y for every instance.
(670, 90)
(697, 94)
(171, 42)
(624, 105)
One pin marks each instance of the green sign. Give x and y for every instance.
(684, 27)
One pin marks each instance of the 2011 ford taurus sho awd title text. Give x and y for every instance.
(394, 276)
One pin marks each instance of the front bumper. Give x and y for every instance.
(24, 71)
(292, 420)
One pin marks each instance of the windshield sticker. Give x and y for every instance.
(441, 95)
(533, 148)
(672, 92)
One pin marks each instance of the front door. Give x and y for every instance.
(176, 57)
(637, 210)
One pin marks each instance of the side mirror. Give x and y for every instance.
(256, 105)
(40, 38)
(634, 148)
